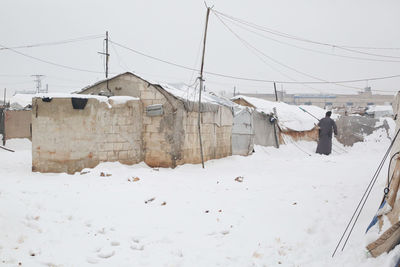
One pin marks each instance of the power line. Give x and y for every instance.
(79, 39)
(297, 38)
(276, 61)
(49, 62)
(254, 79)
(243, 26)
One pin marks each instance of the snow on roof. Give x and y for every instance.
(181, 91)
(290, 117)
(116, 99)
(385, 108)
(20, 101)
(188, 93)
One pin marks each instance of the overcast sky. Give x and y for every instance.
(172, 30)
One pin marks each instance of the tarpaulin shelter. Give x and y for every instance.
(275, 122)
(383, 233)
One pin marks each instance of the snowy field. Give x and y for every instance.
(287, 208)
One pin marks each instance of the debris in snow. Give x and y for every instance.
(133, 179)
(239, 179)
(294, 203)
(115, 243)
(106, 254)
(164, 203)
(225, 232)
(102, 174)
(137, 247)
(220, 211)
(207, 211)
(150, 200)
(84, 172)
(257, 255)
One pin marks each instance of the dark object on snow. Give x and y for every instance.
(79, 103)
(326, 125)
(47, 99)
(2, 147)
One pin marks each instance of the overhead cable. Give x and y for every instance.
(297, 38)
(79, 39)
(49, 62)
(276, 61)
(244, 26)
(254, 79)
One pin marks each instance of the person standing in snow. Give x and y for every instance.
(326, 125)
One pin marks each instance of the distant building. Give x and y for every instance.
(360, 100)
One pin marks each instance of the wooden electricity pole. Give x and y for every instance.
(276, 95)
(107, 58)
(201, 87)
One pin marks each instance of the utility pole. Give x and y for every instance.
(201, 86)
(38, 81)
(3, 115)
(276, 95)
(107, 59)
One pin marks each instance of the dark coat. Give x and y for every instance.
(326, 126)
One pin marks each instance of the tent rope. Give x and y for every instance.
(364, 198)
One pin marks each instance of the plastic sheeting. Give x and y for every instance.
(243, 132)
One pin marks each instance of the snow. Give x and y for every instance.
(290, 117)
(380, 111)
(20, 101)
(122, 99)
(289, 210)
(387, 108)
(24, 100)
(187, 93)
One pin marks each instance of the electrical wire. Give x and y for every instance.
(120, 61)
(254, 79)
(49, 62)
(79, 39)
(278, 62)
(243, 26)
(297, 38)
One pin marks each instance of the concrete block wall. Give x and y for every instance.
(172, 139)
(17, 123)
(69, 140)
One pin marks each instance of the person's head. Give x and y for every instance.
(328, 114)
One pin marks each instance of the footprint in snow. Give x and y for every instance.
(115, 243)
(136, 244)
(106, 254)
(92, 260)
(137, 247)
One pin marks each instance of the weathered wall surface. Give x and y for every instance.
(264, 130)
(311, 135)
(243, 133)
(172, 138)
(352, 129)
(17, 123)
(68, 140)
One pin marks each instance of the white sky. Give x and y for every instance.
(172, 30)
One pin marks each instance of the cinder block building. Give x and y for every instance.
(73, 132)
(163, 117)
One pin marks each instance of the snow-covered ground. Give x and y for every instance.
(288, 209)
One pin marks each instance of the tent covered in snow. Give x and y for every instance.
(383, 234)
(277, 122)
